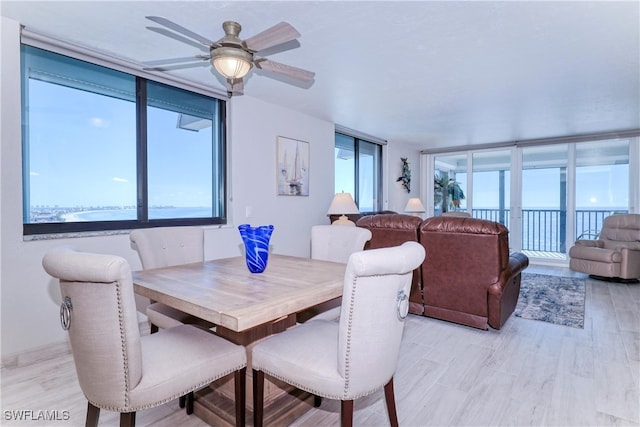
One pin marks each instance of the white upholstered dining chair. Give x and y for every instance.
(119, 370)
(331, 243)
(163, 247)
(356, 356)
(336, 244)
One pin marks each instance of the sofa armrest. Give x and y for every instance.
(590, 243)
(517, 262)
(503, 296)
(632, 246)
(630, 266)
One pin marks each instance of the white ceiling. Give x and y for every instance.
(433, 74)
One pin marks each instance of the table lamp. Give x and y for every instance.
(414, 206)
(343, 204)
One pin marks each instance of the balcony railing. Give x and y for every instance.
(545, 230)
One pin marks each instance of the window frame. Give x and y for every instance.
(356, 168)
(218, 163)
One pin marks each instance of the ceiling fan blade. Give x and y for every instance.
(179, 37)
(180, 29)
(278, 34)
(235, 87)
(170, 61)
(287, 70)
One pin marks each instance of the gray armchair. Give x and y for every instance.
(615, 254)
(118, 369)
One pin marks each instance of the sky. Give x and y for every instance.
(68, 126)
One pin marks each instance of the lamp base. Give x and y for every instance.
(344, 220)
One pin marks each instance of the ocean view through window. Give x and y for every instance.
(547, 195)
(107, 150)
(358, 171)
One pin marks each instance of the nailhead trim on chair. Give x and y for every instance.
(127, 407)
(349, 325)
(347, 361)
(173, 397)
(125, 356)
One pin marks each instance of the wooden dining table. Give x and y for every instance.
(245, 307)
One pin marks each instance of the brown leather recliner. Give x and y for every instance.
(468, 275)
(393, 230)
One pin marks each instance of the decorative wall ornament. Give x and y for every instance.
(293, 167)
(406, 175)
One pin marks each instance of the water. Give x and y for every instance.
(542, 229)
(131, 214)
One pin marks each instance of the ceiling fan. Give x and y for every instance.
(232, 57)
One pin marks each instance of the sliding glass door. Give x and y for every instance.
(450, 183)
(547, 195)
(544, 199)
(492, 185)
(602, 183)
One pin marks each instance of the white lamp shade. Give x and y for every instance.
(232, 68)
(232, 63)
(342, 204)
(414, 205)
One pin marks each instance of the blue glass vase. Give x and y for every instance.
(256, 245)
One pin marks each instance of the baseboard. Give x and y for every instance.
(36, 355)
(50, 351)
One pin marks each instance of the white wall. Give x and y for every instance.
(397, 195)
(30, 298)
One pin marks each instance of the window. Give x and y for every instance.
(450, 183)
(547, 193)
(492, 185)
(544, 198)
(358, 165)
(602, 184)
(106, 150)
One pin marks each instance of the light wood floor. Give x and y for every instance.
(528, 373)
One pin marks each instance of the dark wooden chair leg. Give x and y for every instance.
(128, 419)
(189, 403)
(182, 401)
(258, 398)
(317, 401)
(391, 403)
(240, 380)
(346, 413)
(93, 413)
(153, 329)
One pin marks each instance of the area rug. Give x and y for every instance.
(553, 299)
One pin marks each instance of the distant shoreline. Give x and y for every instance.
(131, 214)
(75, 216)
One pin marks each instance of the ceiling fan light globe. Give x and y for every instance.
(232, 68)
(231, 63)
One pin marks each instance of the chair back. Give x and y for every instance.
(460, 214)
(619, 230)
(390, 229)
(477, 249)
(103, 323)
(166, 246)
(335, 243)
(374, 303)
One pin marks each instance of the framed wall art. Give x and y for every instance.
(292, 167)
